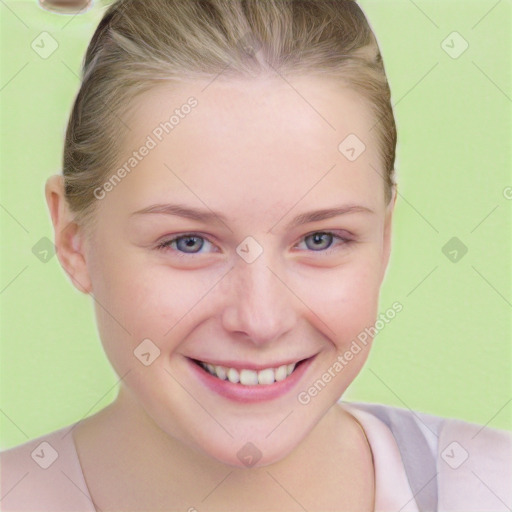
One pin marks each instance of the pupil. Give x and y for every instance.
(317, 237)
(190, 241)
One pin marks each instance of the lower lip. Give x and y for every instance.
(258, 393)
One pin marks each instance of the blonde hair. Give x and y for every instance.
(140, 43)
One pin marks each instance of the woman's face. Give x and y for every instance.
(256, 285)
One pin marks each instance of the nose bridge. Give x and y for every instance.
(260, 304)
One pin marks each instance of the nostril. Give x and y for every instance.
(66, 6)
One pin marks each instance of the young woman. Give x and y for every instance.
(226, 200)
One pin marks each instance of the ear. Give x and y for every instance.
(69, 238)
(388, 223)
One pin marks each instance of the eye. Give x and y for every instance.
(321, 241)
(190, 243)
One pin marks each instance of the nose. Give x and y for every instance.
(261, 304)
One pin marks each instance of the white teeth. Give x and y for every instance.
(250, 377)
(233, 375)
(280, 373)
(266, 376)
(221, 372)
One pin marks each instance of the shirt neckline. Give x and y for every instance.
(392, 489)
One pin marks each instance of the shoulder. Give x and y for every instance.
(471, 464)
(44, 474)
(475, 461)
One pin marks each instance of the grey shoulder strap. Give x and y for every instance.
(419, 460)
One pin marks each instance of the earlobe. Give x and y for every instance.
(68, 235)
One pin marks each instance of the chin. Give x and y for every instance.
(249, 454)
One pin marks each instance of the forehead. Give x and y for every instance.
(271, 110)
(272, 139)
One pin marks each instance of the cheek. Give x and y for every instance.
(137, 301)
(347, 300)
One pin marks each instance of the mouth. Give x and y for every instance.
(250, 377)
(244, 382)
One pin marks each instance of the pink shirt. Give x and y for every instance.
(472, 465)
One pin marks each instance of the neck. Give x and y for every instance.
(334, 455)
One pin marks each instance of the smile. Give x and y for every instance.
(245, 382)
(247, 377)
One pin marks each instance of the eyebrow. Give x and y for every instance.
(211, 216)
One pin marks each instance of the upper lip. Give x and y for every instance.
(243, 365)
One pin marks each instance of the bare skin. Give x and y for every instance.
(330, 470)
(258, 154)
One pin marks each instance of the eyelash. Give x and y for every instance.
(165, 245)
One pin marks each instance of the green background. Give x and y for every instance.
(447, 353)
